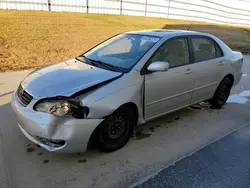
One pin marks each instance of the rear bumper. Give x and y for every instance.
(46, 129)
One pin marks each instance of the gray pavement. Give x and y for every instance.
(155, 146)
(224, 163)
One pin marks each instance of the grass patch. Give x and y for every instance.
(30, 39)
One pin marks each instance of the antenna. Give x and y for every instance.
(190, 25)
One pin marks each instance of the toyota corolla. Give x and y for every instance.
(102, 95)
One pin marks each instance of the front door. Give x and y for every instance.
(166, 91)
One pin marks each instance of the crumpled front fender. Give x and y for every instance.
(105, 100)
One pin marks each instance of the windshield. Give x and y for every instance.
(122, 51)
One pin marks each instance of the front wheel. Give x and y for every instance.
(114, 132)
(221, 94)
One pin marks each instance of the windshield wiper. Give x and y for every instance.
(85, 60)
(105, 65)
(98, 63)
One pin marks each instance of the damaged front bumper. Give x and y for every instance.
(54, 133)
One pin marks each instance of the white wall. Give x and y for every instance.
(24, 5)
(219, 11)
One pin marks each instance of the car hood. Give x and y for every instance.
(65, 79)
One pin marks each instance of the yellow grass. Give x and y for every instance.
(30, 39)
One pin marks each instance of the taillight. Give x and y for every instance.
(241, 60)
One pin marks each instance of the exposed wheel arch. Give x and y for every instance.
(133, 107)
(129, 105)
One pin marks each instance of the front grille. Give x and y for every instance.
(23, 96)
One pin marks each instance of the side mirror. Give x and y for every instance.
(158, 66)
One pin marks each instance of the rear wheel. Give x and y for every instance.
(221, 94)
(114, 132)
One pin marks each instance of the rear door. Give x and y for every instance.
(208, 66)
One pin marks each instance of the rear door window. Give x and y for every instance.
(203, 49)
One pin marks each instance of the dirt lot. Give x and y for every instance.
(30, 39)
(155, 145)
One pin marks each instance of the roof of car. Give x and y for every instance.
(162, 32)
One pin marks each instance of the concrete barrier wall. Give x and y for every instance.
(235, 12)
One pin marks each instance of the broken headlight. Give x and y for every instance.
(58, 108)
(62, 107)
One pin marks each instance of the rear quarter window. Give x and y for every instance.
(219, 52)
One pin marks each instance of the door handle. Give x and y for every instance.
(221, 63)
(189, 71)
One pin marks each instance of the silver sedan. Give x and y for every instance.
(100, 96)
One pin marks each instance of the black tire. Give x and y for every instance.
(221, 94)
(114, 132)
